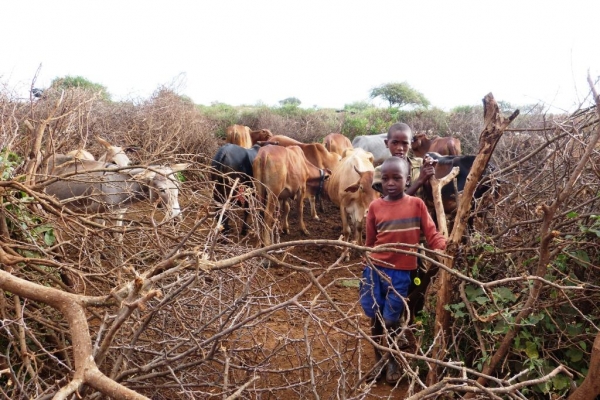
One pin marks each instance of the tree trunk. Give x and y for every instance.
(590, 388)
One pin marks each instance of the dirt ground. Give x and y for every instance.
(341, 282)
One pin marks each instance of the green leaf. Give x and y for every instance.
(481, 300)
(533, 319)
(574, 329)
(581, 257)
(575, 354)
(500, 328)
(504, 294)
(473, 291)
(572, 214)
(583, 345)
(49, 238)
(543, 387)
(560, 382)
(531, 351)
(353, 283)
(30, 254)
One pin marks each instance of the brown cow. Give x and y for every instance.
(284, 173)
(260, 135)
(337, 143)
(316, 154)
(350, 188)
(240, 135)
(446, 146)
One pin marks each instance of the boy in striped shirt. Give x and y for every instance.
(395, 218)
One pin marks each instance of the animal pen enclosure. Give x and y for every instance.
(190, 313)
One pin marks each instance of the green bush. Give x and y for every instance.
(69, 82)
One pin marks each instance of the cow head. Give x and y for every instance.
(114, 154)
(417, 139)
(163, 184)
(261, 135)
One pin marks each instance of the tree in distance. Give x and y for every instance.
(69, 82)
(400, 94)
(290, 101)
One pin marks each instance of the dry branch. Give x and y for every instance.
(495, 124)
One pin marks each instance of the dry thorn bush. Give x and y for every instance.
(190, 313)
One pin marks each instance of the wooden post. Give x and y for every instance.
(436, 189)
(495, 124)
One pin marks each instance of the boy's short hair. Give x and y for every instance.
(403, 162)
(402, 127)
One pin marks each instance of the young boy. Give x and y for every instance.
(395, 218)
(398, 142)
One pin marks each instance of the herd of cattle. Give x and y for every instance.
(285, 169)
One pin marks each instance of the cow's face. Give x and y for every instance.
(417, 140)
(164, 185)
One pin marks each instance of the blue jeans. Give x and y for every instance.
(381, 291)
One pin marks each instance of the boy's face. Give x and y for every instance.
(398, 143)
(393, 180)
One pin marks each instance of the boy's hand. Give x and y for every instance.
(427, 171)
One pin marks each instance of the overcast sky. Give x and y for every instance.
(325, 53)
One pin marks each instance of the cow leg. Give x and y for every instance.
(244, 230)
(246, 214)
(321, 207)
(284, 217)
(345, 226)
(313, 207)
(358, 230)
(301, 214)
(272, 202)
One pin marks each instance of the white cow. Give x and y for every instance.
(375, 145)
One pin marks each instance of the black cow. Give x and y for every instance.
(230, 162)
(449, 192)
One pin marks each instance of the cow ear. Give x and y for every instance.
(180, 167)
(103, 142)
(353, 188)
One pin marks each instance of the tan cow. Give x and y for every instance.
(260, 135)
(349, 187)
(337, 143)
(445, 146)
(284, 173)
(316, 154)
(240, 135)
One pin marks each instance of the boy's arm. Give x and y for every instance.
(435, 240)
(427, 171)
(370, 227)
